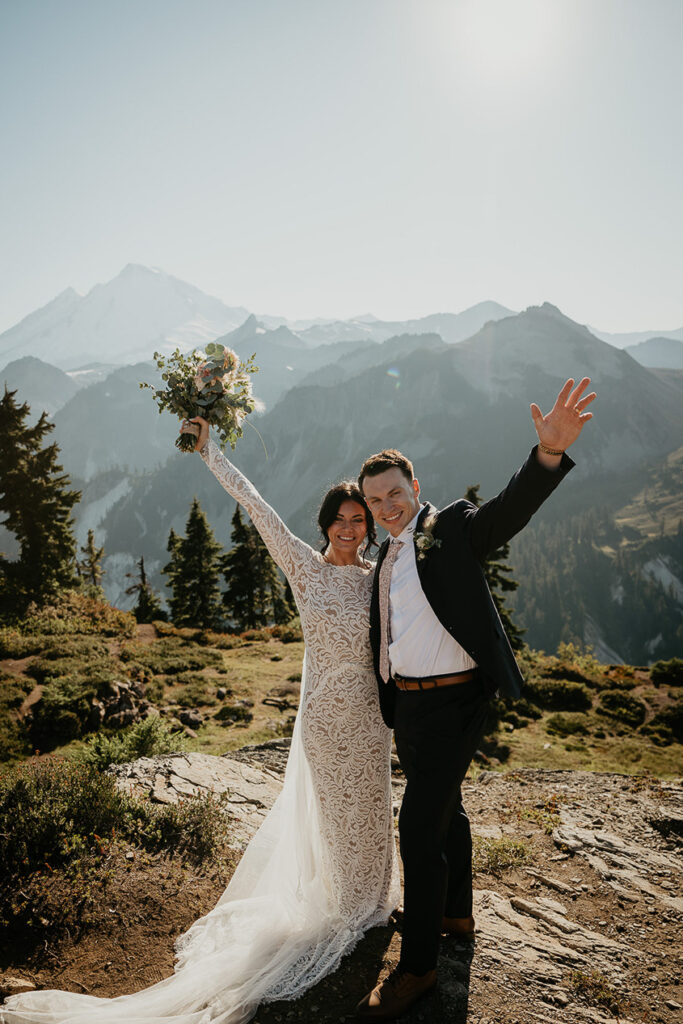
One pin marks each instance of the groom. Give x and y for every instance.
(440, 653)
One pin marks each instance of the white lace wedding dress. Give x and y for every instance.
(322, 868)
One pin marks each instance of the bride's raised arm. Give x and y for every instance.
(290, 553)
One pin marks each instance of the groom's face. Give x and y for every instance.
(392, 499)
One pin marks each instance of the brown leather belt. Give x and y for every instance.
(430, 682)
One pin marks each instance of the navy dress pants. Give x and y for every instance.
(437, 733)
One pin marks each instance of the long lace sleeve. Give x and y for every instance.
(290, 553)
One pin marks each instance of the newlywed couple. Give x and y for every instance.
(412, 643)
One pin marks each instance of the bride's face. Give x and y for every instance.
(348, 530)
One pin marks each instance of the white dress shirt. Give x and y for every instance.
(420, 646)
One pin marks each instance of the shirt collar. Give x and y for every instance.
(407, 532)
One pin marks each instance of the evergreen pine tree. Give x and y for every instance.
(238, 567)
(193, 573)
(37, 503)
(90, 567)
(148, 605)
(271, 603)
(497, 573)
(255, 595)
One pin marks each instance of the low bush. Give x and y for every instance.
(567, 724)
(558, 694)
(197, 693)
(13, 737)
(290, 633)
(169, 656)
(99, 669)
(493, 856)
(79, 611)
(76, 647)
(667, 724)
(622, 706)
(525, 708)
(255, 634)
(62, 712)
(231, 713)
(595, 990)
(13, 644)
(146, 738)
(670, 672)
(224, 641)
(54, 811)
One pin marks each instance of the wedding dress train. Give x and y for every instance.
(322, 868)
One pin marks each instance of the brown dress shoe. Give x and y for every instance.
(458, 927)
(395, 994)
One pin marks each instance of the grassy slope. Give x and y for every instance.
(265, 666)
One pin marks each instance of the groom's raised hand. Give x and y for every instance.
(562, 425)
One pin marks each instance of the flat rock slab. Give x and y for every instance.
(251, 788)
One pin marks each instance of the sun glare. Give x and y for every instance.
(505, 40)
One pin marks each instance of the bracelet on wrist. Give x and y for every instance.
(550, 451)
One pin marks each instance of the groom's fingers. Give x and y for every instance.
(536, 414)
(578, 391)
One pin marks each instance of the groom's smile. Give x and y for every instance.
(392, 499)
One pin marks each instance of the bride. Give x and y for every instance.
(322, 868)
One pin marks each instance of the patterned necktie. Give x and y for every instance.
(384, 626)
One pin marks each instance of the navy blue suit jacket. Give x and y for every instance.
(453, 579)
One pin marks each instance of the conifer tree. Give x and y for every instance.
(271, 603)
(255, 595)
(37, 504)
(238, 568)
(193, 573)
(148, 605)
(90, 566)
(497, 573)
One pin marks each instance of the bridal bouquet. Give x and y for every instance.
(213, 384)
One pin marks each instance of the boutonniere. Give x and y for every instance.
(426, 540)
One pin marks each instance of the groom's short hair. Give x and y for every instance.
(390, 458)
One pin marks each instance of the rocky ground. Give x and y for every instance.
(585, 929)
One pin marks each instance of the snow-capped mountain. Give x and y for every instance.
(122, 321)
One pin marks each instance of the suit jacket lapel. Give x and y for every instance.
(427, 511)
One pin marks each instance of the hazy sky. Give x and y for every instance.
(336, 157)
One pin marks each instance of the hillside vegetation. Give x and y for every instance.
(82, 679)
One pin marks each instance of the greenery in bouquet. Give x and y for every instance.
(214, 384)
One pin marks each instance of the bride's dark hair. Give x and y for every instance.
(346, 490)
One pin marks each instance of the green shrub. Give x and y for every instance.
(224, 641)
(14, 644)
(196, 693)
(567, 724)
(169, 656)
(622, 706)
(146, 738)
(667, 723)
(62, 712)
(231, 713)
(76, 611)
(75, 647)
(290, 633)
(255, 634)
(13, 737)
(54, 811)
(493, 856)
(525, 708)
(595, 990)
(670, 672)
(558, 695)
(100, 670)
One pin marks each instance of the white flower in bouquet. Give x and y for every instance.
(214, 384)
